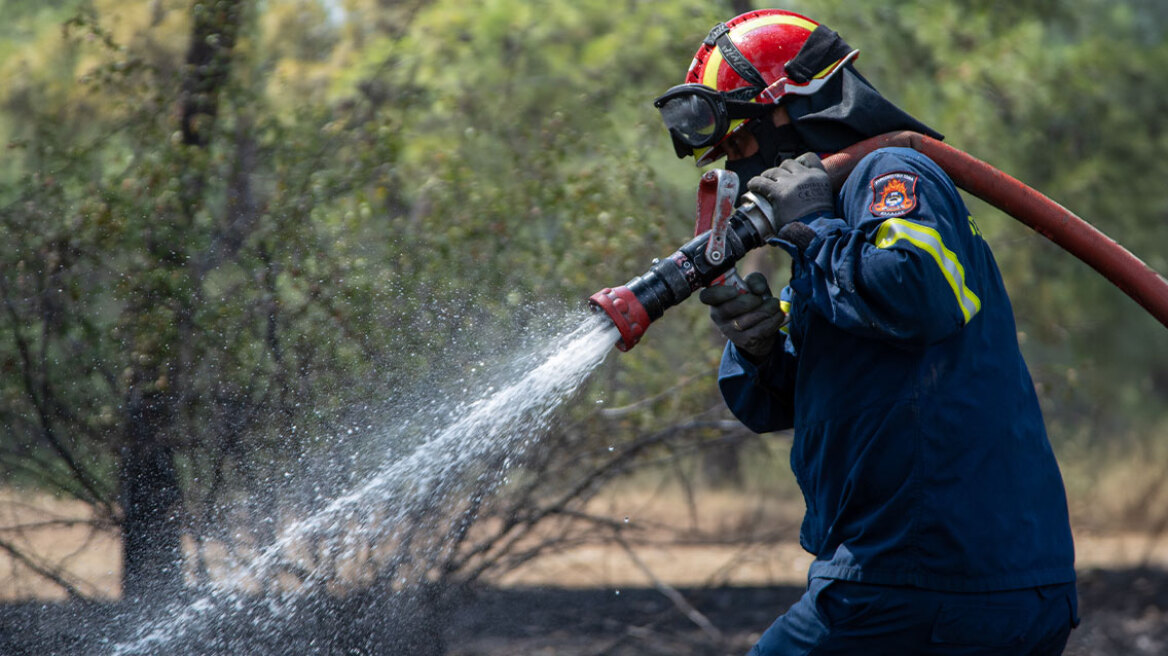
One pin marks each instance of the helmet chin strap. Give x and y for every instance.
(719, 37)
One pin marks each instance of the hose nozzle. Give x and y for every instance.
(669, 281)
(627, 314)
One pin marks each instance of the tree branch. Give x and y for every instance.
(518, 527)
(671, 593)
(46, 423)
(41, 570)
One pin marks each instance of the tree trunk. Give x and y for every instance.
(151, 526)
(151, 497)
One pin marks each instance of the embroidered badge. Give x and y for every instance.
(893, 194)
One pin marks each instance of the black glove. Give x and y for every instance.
(796, 188)
(750, 320)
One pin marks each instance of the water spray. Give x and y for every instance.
(732, 232)
(408, 491)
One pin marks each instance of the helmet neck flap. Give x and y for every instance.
(848, 109)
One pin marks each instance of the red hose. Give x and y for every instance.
(1047, 217)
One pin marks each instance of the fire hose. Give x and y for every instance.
(711, 255)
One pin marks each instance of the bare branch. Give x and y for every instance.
(89, 483)
(617, 413)
(48, 523)
(671, 593)
(52, 575)
(520, 526)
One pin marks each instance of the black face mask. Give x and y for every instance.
(775, 144)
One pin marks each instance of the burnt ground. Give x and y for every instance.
(1125, 613)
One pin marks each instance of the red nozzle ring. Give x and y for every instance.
(626, 312)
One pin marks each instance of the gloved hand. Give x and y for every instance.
(750, 320)
(799, 234)
(796, 188)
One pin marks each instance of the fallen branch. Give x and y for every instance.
(671, 593)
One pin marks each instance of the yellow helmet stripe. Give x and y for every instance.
(775, 19)
(710, 73)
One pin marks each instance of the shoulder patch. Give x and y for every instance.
(893, 194)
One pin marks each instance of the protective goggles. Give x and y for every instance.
(699, 117)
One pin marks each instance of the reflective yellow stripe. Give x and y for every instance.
(929, 240)
(714, 61)
(785, 306)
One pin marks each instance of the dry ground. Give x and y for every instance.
(724, 538)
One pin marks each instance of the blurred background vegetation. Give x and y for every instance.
(232, 230)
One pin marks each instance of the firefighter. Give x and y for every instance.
(934, 505)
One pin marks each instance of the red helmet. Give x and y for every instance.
(743, 67)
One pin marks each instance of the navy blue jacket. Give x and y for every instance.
(919, 444)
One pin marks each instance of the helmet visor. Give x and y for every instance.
(698, 116)
(693, 118)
